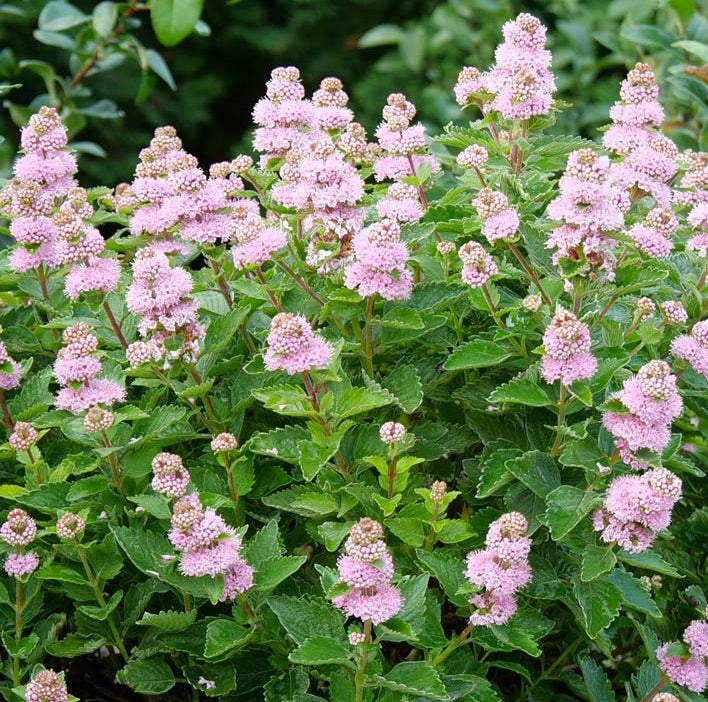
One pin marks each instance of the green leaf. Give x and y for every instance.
(223, 635)
(649, 561)
(211, 679)
(104, 18)
(155, 505)
(537, 471)
(404, 383)
(61, 573)
(454, 531)
(648, 35)
(494, 475)
(401, 318)
(567, 505)
(288, 400)
(381, 35)
(333, 533)
(448, 570)
(281, 443)
(407, 529)
(596, 680)
(697, 48)
(305, 500)
(597, 560)
(477, 353)
(173, 20)
(356, 400)
(105, 558)
(305, 617)
(101, 613)
(159, 66)
(273, 572)
(521, 633)
(150, 676)
(57, 16)
(600, 603)
(412, 678)
(314, 457)
(322, 650)
(74, 645)
(520, 391)
(634, 593)
(168, 620)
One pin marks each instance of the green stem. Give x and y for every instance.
(499, 322)
(369, 336)
(187, 600)
(117, 638)
(273, 299)
(552, 669)
(114, 324)
(221, 282)
(6, 412)
(301, 283)
(232, 487)
(530, 271)
(391, 474)
(208, 405)
(19, 608)
(562, 404)
(650, 695)
(458, 641)
(363, 665)
(115, 469)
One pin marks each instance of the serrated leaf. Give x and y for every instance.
(357, 400)
(407, 529)
(494, 475)
(101, 613)
(150, 676)
(412, 678)
(597, 560)
(322, 650)
(634, 593)
(477, 353)
(448, 570)
(567, 505)
(155, 505)
(281, 443)
(649, 561)
(596, 680)
(168, 620)
(306, 617)
(223, 635)
(288, 400)
(273, 572)
(74, 645)
(600, 602)
(520, 391)
(307, 501)
(404, 383)
(537, 471)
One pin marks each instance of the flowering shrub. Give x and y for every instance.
(389, 420)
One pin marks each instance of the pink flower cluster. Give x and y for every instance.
(693, 348)
(402, 144)
(367, 568)
(281, 115)
(9, 370)
(170, 477)
(18, 530)
(81, 244)
(638, 115)
(653, 237)
(477, 265)
(76, 370)
(294, 347)
(208, 546)
(317, 178)
(520, 83)
(46, 686)
(690, 670)
(499, 570)
(254, 242)
(499, 218)
(636, 508)
(171, 195)
(651, 403)
(379, 262)
(401, 204)
(588, 207)
(566, 346)
(43, 177)
(694, 193)
(161, 296)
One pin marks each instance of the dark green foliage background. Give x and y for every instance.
(221, 76)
